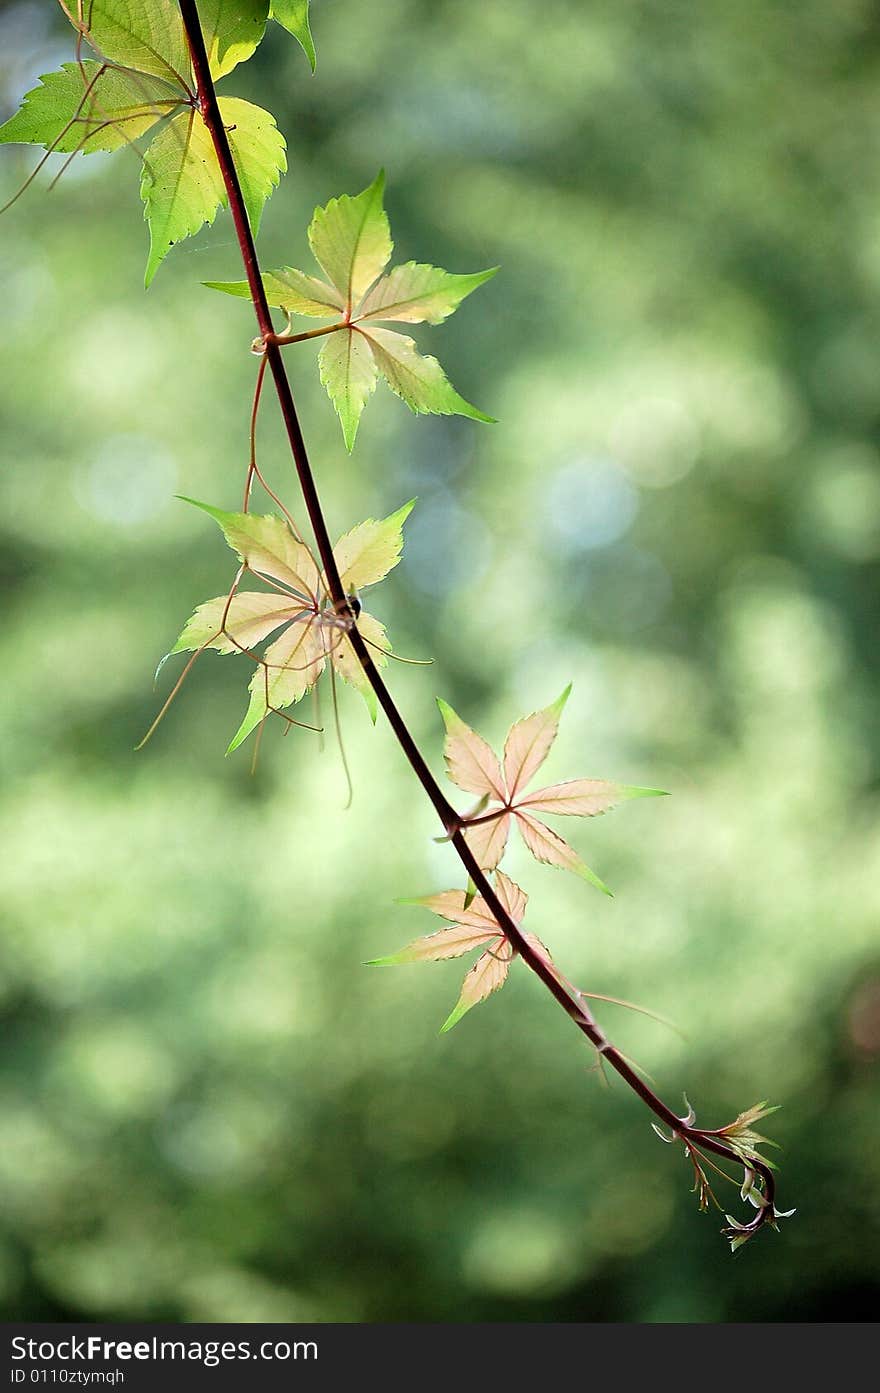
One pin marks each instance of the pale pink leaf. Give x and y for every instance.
(488, 973)
(452, 905)
(445, 943)
(548, 847)
(470, 762)
(577, 798)
(488, 840)
(511, 896)
(538, 947)
(344, 658)
(528, 744)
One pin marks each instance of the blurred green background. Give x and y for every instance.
(209, 1109)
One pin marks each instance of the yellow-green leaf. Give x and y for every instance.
(232, 30)
(259, 151)
(146, 35)
(294, 15)
(369, 551)
(229, 626)
(268, 547)
(418, 380)
(348, 372)
(290, 290)
(346, 663)
(351, 240)
(89, 107)
(414, 294)
(181, 183)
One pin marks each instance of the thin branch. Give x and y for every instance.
(452, 823)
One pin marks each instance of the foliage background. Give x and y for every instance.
(208, 1108)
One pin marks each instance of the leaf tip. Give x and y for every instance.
(452, 1019)
(446, 711)
(559, 703)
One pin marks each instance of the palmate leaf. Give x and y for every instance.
(351, 241)
(473, 765)
(473, 926)
(294, 15)
(142, 76)
(311, 638)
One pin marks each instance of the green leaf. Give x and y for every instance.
(290, 290)
(259, 151)
(89, 107)
(348, 372)
(294, 15)
(181, 183)
(415, 294)
(232, 29)
(146, 35)
(351, 239)
(418, 380)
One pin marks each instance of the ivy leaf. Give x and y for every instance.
(294, 15)
(181, 184)
(475, 768)
(144, 35)
(142, 75)
(89, 107)
(473, 926)
(351, 241)
(233, 30)
(148, 35)
(313, 634)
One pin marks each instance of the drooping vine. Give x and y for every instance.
(144, 76)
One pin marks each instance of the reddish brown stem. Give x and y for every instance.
(450, 819)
